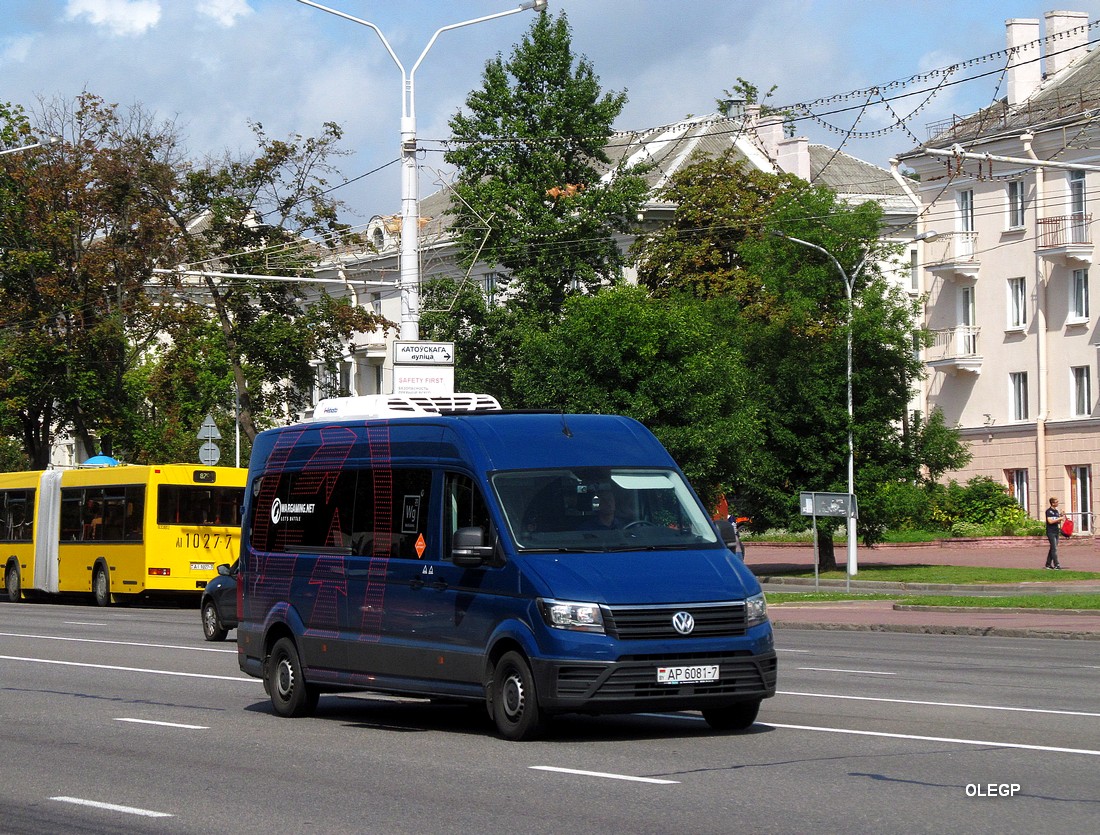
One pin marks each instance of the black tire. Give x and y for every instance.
(12, 585)
(735, 717)
(513, 702)
(212, 628)
(101, 586)
(290, 694)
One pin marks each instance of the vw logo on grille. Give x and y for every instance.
(683, 622)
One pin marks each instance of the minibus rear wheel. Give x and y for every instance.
(735, 717)
(283, 679)
(514, 704)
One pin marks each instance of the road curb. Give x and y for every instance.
(924, 629)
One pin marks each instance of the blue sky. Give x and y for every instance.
(213, 65)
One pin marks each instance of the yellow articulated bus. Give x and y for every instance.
(118, 532)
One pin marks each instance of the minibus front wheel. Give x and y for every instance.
(513, 702)
(283, 679)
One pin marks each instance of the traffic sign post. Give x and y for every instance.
(209, 452)
(828, 504)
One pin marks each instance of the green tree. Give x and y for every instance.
(269, 214)
(784, 307)
(663, 362)
(79, 239)
(533, 192)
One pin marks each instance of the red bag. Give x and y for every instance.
(1067, 527)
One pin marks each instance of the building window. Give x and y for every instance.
(966, 222)
(490, 287)
(1082, 391)
(1079, 296)
(914, 271)
(968, 330)
(1015, 204)
(1017, 302)
(1079, 226)
(332, 381)
(1017, 487)
(1018, 382)
(1080, 496)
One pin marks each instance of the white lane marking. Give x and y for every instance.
(89, 623)
(163, 724)
(804, 651)
(857, 672)
(126, 669)
(602, 774)
(982, 742)
(115, 643)
(114, 807)
(936, 704)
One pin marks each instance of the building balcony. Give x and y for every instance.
(1066, 240)
(954, 350)
(953, 255)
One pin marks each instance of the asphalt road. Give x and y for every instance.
(125, 720)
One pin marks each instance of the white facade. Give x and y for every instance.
(1013, 192)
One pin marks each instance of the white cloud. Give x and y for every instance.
(120, 17)
(224, 12)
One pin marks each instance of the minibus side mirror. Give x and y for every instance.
(728, 531)
(469, 549)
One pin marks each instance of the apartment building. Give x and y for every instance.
(1012, 191)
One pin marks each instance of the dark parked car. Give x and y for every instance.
(219, 604)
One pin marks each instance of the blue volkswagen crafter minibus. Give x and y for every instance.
(535, 563)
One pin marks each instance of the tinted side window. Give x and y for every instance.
(463, 507)
(391, 513)
(309, 511)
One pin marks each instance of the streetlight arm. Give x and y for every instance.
(847, 280)
(361, 22)
(38, 143)
(537, 5)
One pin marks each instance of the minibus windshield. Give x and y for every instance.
(601, 509)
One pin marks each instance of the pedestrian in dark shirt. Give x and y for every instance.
(1054, 530)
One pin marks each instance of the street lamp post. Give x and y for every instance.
(849, 284)
(409, 273)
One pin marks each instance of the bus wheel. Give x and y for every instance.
(290, 694)
(11, 584)
(513, 703)
(735, 717)
(101, 587)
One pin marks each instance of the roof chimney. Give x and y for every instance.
(794, 156)
(770, 132)
(1067, 37)
(1024, 72)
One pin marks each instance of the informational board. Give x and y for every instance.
(423, 369)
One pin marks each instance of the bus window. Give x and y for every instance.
(184, 504)
(16, 515)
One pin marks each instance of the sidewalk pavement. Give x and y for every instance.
(1080, 553)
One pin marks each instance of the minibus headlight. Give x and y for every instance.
(563, 614)
(756, 610)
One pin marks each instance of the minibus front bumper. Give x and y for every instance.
(632, 683)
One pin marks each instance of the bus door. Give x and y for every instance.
(47, 532)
